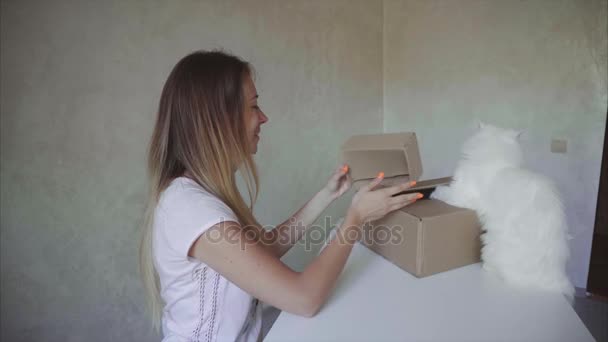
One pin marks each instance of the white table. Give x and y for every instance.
(376, 301)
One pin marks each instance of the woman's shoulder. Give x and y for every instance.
(186, 210)
(183, 190)
(184, 195)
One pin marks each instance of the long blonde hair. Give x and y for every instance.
(199, 129)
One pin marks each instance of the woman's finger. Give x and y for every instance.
(374, 183)
(344, 169)
(405, 198)
(399, 188)
(401, 201)
(337, 174)
(340, 171)
(349, 179)
(345, 184)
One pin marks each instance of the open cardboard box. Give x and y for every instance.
(426, 237)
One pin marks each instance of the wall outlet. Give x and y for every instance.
(559, 146)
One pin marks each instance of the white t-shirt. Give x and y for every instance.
(200, 304)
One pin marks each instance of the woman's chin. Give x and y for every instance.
(254, 144)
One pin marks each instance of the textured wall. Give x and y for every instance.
(80, 82)
(535, 65)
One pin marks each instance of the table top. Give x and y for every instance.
(374, 300)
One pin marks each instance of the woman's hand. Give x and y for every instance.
(369, 204)
(338, 183)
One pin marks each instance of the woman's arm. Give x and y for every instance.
(286, 234)
(248, 264)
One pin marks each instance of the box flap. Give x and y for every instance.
(425, 209)
(425, 187)
(395, 154)
(431, 183)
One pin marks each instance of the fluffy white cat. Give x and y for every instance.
(525, 232)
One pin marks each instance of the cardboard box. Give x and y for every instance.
(426, 237)
(395, 154)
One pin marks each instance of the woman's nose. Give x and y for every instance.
(263, 118)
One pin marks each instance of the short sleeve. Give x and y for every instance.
(189, 213)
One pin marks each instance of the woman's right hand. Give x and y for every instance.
(369, 204)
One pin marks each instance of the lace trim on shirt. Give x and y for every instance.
(211, 331)
(201, 276)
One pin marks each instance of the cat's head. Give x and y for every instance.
(494, 144)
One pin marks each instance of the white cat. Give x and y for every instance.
(525, 239)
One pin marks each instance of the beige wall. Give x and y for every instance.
(535, 65)
(80, 82)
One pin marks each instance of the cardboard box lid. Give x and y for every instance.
(395, 154)
(425, 187)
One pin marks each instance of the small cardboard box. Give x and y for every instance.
(426, 237)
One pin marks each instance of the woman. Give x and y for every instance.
(198, 256)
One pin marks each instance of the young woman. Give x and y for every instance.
(203, 269)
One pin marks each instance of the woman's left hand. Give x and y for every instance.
(338, 183)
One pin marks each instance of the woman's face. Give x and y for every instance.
(254, 117)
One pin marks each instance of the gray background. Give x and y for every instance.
(80, 82)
